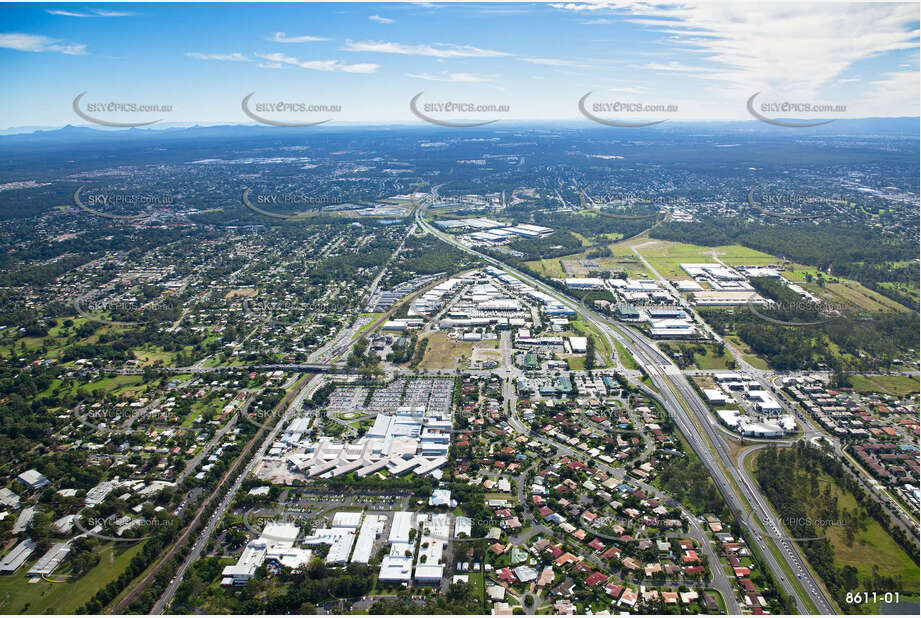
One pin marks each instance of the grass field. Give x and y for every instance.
(750, 357)
(708, 360)
(871, 549)
(890, 385)
(149, 357)
(602, 348)
(547, 268)
(244, 292)
(118, 385)
(18, 596)
(444, 353)
(625, 358)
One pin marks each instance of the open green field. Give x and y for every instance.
(872, 548)
(548, 268)
(666, 257)
(709, 359)
(59, 337)
(898, 386)
(129, 385)
(150, 356)
(18, 596)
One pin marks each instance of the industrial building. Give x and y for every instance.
(50, 561)
(275, 543)
(17, 557)
(33, 479)
(672, 329)
(364, 544)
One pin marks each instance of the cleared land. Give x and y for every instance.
(890, 385)
(444, 353)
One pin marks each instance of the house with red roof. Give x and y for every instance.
(595, 579)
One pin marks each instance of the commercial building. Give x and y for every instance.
(275, 543)
(585, 283)
(397, 566)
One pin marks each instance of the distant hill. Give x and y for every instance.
(905, 127)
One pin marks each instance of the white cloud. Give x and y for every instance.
(381, 20)
(469, 78)
(280, 37)
(584, 6)
(319, 65)
(107, 13)
(271, 65)
(629, 90)
(39, 43)
(783, 47)
(597, 22)
(66, 13)
(555, 62)
(896, 94)
(234, 57)
(95, 13)
(438, 50)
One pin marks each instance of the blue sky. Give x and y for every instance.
(372, 58)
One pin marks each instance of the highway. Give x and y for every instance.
(684, 405)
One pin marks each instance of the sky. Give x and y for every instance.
(701, 61)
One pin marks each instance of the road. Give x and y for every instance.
(693, 419)
(218, 514)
